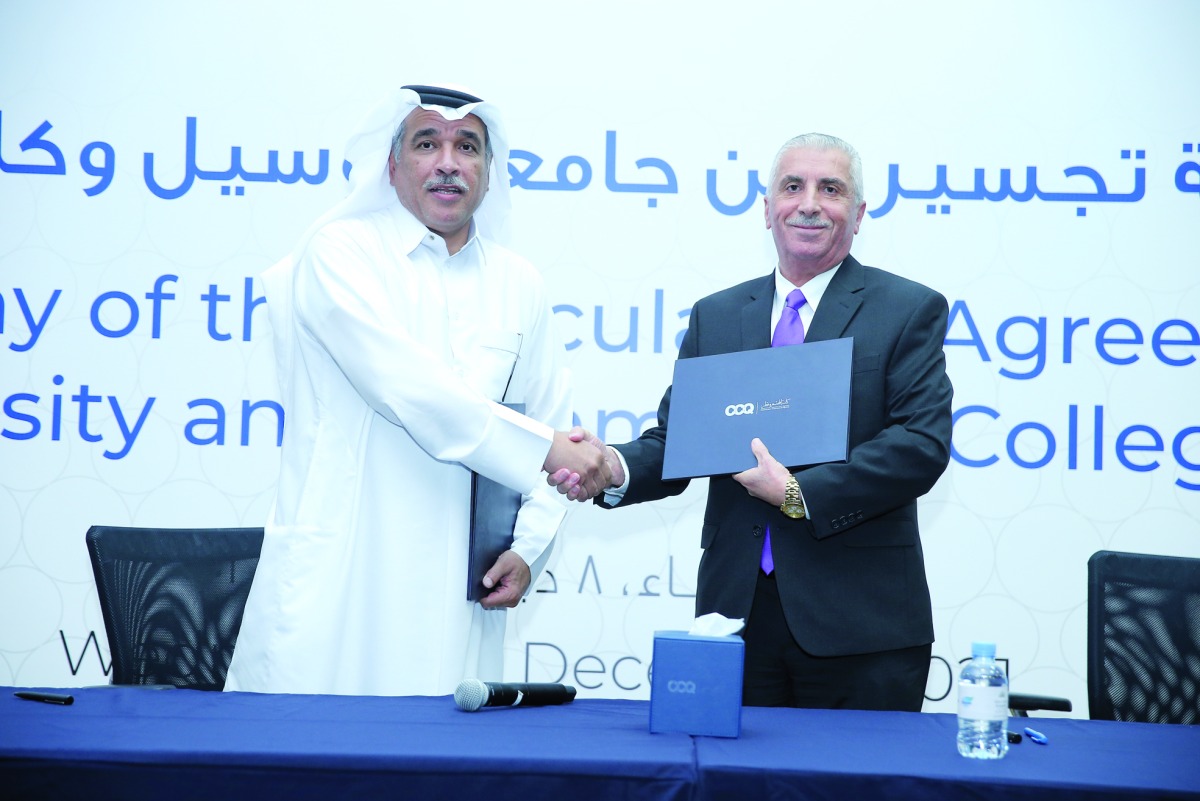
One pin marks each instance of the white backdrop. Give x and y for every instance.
(1035, 162)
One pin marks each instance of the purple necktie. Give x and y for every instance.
(789, 331)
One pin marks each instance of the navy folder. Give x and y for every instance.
(494, 510)
(796, 399)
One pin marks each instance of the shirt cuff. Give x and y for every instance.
(515, 451)
(614, 495)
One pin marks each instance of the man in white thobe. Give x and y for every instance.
(398, 327)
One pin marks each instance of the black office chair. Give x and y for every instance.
(1143, 640)
(172, 600)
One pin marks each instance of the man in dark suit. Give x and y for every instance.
(837, 604)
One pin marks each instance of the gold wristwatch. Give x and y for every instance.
(792, 506)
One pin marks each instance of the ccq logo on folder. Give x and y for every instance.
(796, 399)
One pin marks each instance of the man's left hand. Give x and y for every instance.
(508, 579)
(768, 480)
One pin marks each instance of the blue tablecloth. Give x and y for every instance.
(905, 755)
(126, 742)
(136, 743)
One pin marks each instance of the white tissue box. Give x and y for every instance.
(696, 687)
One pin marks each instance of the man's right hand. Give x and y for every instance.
(576, 465)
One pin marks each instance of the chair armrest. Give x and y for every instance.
(1020, 704)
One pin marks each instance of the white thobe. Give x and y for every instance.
(391, 355)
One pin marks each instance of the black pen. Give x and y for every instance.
(46, 698)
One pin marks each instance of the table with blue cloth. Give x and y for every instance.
(856, 755)
(133, 742)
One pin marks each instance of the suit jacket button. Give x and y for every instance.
(757, 531)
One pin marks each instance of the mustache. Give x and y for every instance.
(447, 180)
(806, 220)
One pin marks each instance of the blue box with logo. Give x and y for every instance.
(696, 687)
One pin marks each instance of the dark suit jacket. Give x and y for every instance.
(852, 576)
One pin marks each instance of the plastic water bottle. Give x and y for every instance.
(983, 705)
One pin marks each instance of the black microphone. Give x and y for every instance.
(472, 694)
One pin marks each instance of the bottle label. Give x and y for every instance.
(981, 702)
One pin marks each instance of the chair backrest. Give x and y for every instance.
(172, 600)
(1143, 638)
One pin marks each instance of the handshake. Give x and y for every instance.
(581, 466)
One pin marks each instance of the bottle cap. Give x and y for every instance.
(987, 649)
